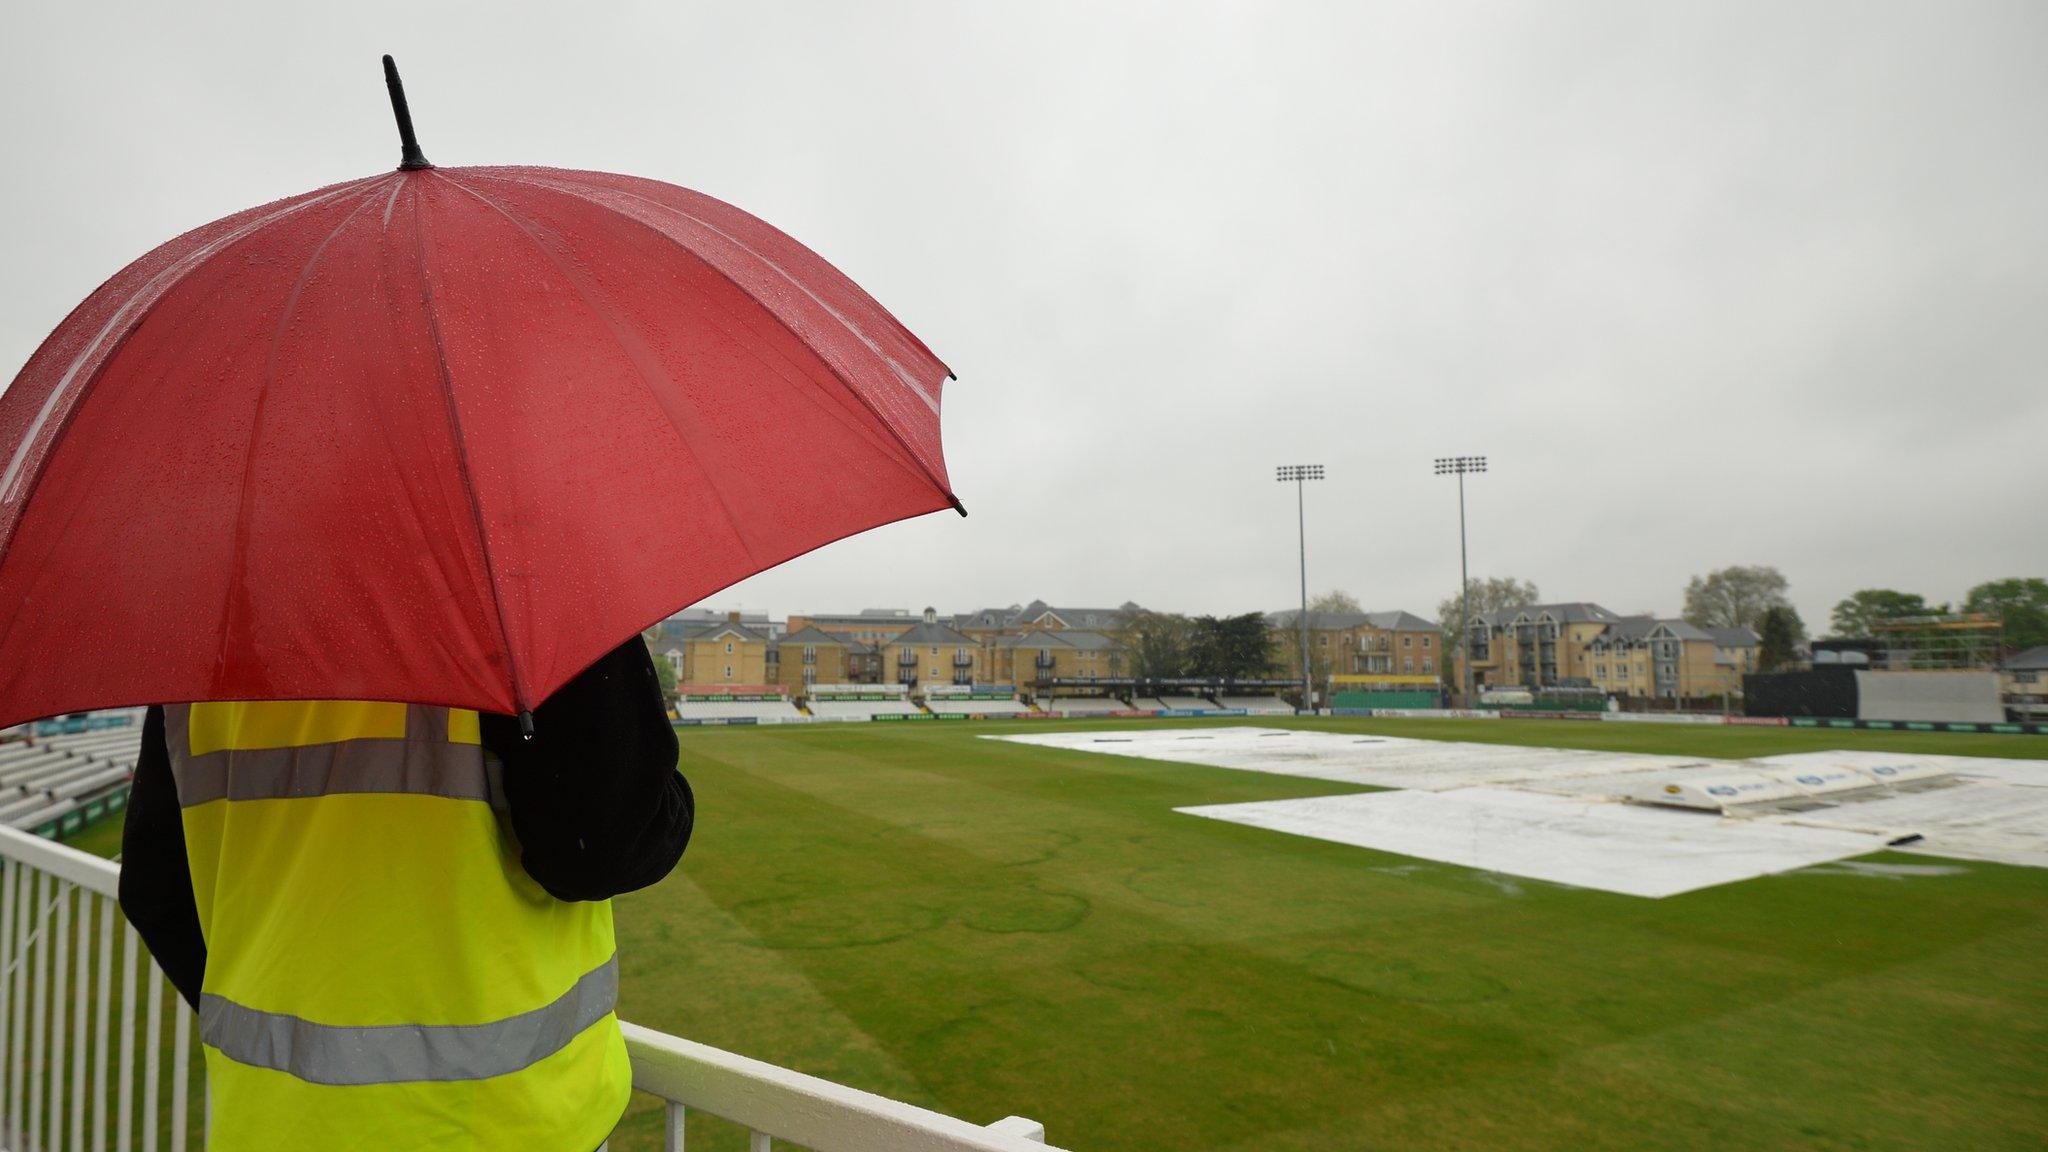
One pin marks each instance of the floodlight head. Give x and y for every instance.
(1458, 465)
(1298, 472)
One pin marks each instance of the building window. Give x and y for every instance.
(728, 647)
(1407, 641)
(1599, 671)
(728, 671)
(1425, 641)
(810, 654)
(1428, 665)
(1323, 640)
(1408, 665)
(935, 650)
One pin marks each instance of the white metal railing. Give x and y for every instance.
(84, 1060)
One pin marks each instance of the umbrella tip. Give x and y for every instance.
(525, 718)
(957, 505)
(411, 159)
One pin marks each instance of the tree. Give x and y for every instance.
(1852, 618)
(1158, 643)
(2021, 605)
(1335, 600)
(1232, 647)
(1734, 597)
(1247, 646)
(1487, 594)
(1782, 633)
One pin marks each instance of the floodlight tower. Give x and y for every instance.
(1459, 466)
(1301, 474)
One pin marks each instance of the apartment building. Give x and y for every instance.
(728, 652)
(871, 626)
(1583, 643)
(1041, 656)
(932, 652)
(813, 656)
(1392, 643)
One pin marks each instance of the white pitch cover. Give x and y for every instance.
(1624, 848)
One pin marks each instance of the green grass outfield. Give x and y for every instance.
(987, 928)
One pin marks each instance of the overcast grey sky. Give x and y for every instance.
(1711, 284)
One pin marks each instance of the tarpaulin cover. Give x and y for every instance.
(443, 436)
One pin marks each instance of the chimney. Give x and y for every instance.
(732, 617)
(931, 615)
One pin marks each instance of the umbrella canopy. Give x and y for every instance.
(442, 435)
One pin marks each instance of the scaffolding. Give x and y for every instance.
(1963, 642)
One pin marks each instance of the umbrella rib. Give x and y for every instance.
(777, 317)
(245, 502)
(16, 489)
(710, 478)
(476, 508)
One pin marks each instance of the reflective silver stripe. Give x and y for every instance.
(422, 764)
(404, 1053)
(455, 771)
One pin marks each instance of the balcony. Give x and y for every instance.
(70, 1046)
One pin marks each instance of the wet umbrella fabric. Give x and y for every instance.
(439, 435)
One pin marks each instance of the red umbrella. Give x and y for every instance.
(441, 435)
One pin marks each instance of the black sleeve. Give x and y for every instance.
(156, 877)
(596, 799)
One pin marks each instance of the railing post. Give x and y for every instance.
(8, 879)
(100, 1022)
(81, 1004)
(1020, 1126)
(673, 1139)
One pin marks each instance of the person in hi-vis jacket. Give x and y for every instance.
(395, 920)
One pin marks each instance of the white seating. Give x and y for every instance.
(826, 708)
(1257, 705)
(1083, 705)
(83, 786)
(45, 777)
(737, 710)
(34, 767)
(18, 810)
(1185, 702)
(55, 810)
(19, 750)
(977, 706)
(89, 742)
(77, 770)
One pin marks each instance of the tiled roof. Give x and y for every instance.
(934, 633)
(1395, 621)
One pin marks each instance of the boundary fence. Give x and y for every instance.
(85, 1062)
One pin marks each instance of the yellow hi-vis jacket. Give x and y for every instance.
(380, 972)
